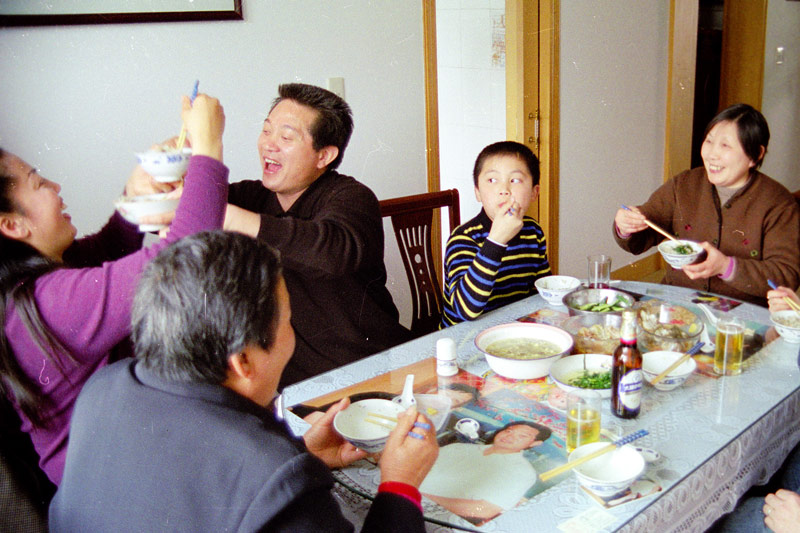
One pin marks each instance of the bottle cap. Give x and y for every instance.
(446, 349)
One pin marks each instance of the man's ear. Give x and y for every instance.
(13, 227)
(240, 366)
(535, 194)
(326, 156)
(478, 195)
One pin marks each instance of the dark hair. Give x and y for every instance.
(507, 148)
(751, 127)
(334, 123)
(463, 387)
(20, 266)
(202, 299)
(543, 435)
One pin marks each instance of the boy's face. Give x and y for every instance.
(504, 179)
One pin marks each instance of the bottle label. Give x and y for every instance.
(629, 390)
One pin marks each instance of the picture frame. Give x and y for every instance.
(72, 12)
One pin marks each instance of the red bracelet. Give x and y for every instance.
(402, 489)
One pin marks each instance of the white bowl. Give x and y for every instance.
(353, 426)
(165, 165)
(132, 208)
(654, 363)
(612, 472)
(553, 288)
(787, 325)
(595, 333)
(523, 368)
(568, 368)
(676, 260)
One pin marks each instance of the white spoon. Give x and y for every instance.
(708, 345)
(406, 399)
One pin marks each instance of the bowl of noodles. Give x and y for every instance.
(666, 326)
(523, 350)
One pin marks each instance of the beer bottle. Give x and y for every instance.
(626, 374)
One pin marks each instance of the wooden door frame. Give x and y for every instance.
(545, 81)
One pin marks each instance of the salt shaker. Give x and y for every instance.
(446, 357)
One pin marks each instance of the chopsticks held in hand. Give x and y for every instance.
(786, 299)
(657, 228)
(182, 136)
(693, 350)
(605, 449)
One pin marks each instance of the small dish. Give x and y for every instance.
(673, 252)
(787, 324)
(132, 208)
(568, 368)
(165, 165)
(554, 288)
(654, 363)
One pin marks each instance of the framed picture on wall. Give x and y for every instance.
(60, 12)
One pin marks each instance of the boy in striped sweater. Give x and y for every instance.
(495, 258)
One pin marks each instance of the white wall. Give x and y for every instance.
(613, 93)
(78, 101)
(780, 101)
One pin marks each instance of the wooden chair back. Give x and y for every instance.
(412, 220)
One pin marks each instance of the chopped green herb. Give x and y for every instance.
(592, 380)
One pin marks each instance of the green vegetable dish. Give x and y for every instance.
(683, 249)
(604, 307)
(591, 380)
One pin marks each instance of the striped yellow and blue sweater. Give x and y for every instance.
(481, 275)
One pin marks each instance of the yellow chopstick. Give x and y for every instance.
(572, 464)
(381, 423)
(182, 136)
(378, 415)
(693, 350)
(658, 229)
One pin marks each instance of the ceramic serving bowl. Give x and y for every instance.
(563, 371)
(554, 288)
(165, 165)
(666, 326)
(670, 251)
(654, 363)
(533, 365)
(787, 324)
(132, 208)
(353, 425)
(595, 333)
(582, 301)
(612, 472)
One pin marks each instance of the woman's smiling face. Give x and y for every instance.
(726, 163)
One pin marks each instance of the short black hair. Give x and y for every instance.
(751, 127)
(202, 299)
(334, 123)
(507, 148)
(543, 435)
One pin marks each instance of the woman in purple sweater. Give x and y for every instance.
(65, 306)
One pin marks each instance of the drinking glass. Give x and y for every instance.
(599, 271)
(583, 419)
(730, 346)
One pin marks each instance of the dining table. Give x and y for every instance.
(710, 440)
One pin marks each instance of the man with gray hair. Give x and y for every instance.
(182, 437)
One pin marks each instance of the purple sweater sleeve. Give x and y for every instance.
(88, 310)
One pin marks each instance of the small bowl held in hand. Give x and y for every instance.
(553, 288)
(681, 253)
(165, 165)
(787, 324)
(654, 363)
(353, 425)
(132, 208)
(610, 473)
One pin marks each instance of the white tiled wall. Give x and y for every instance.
(472, 98)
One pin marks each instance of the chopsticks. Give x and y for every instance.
(693, 350)
(182, 136)
(605, 449)
(786, 299)
(657, 228)
(389, 421)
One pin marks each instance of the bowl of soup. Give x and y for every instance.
(523, 350)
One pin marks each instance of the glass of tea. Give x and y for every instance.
(730, 346)
(599, 271)
(583, 419)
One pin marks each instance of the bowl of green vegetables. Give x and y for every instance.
(577, 374)
(681, 253)
(594, 302)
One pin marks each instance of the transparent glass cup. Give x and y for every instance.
(583, 419)
(730, 346)
(599, 271)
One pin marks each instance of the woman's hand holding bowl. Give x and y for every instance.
(715, 264)
(406, 458)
